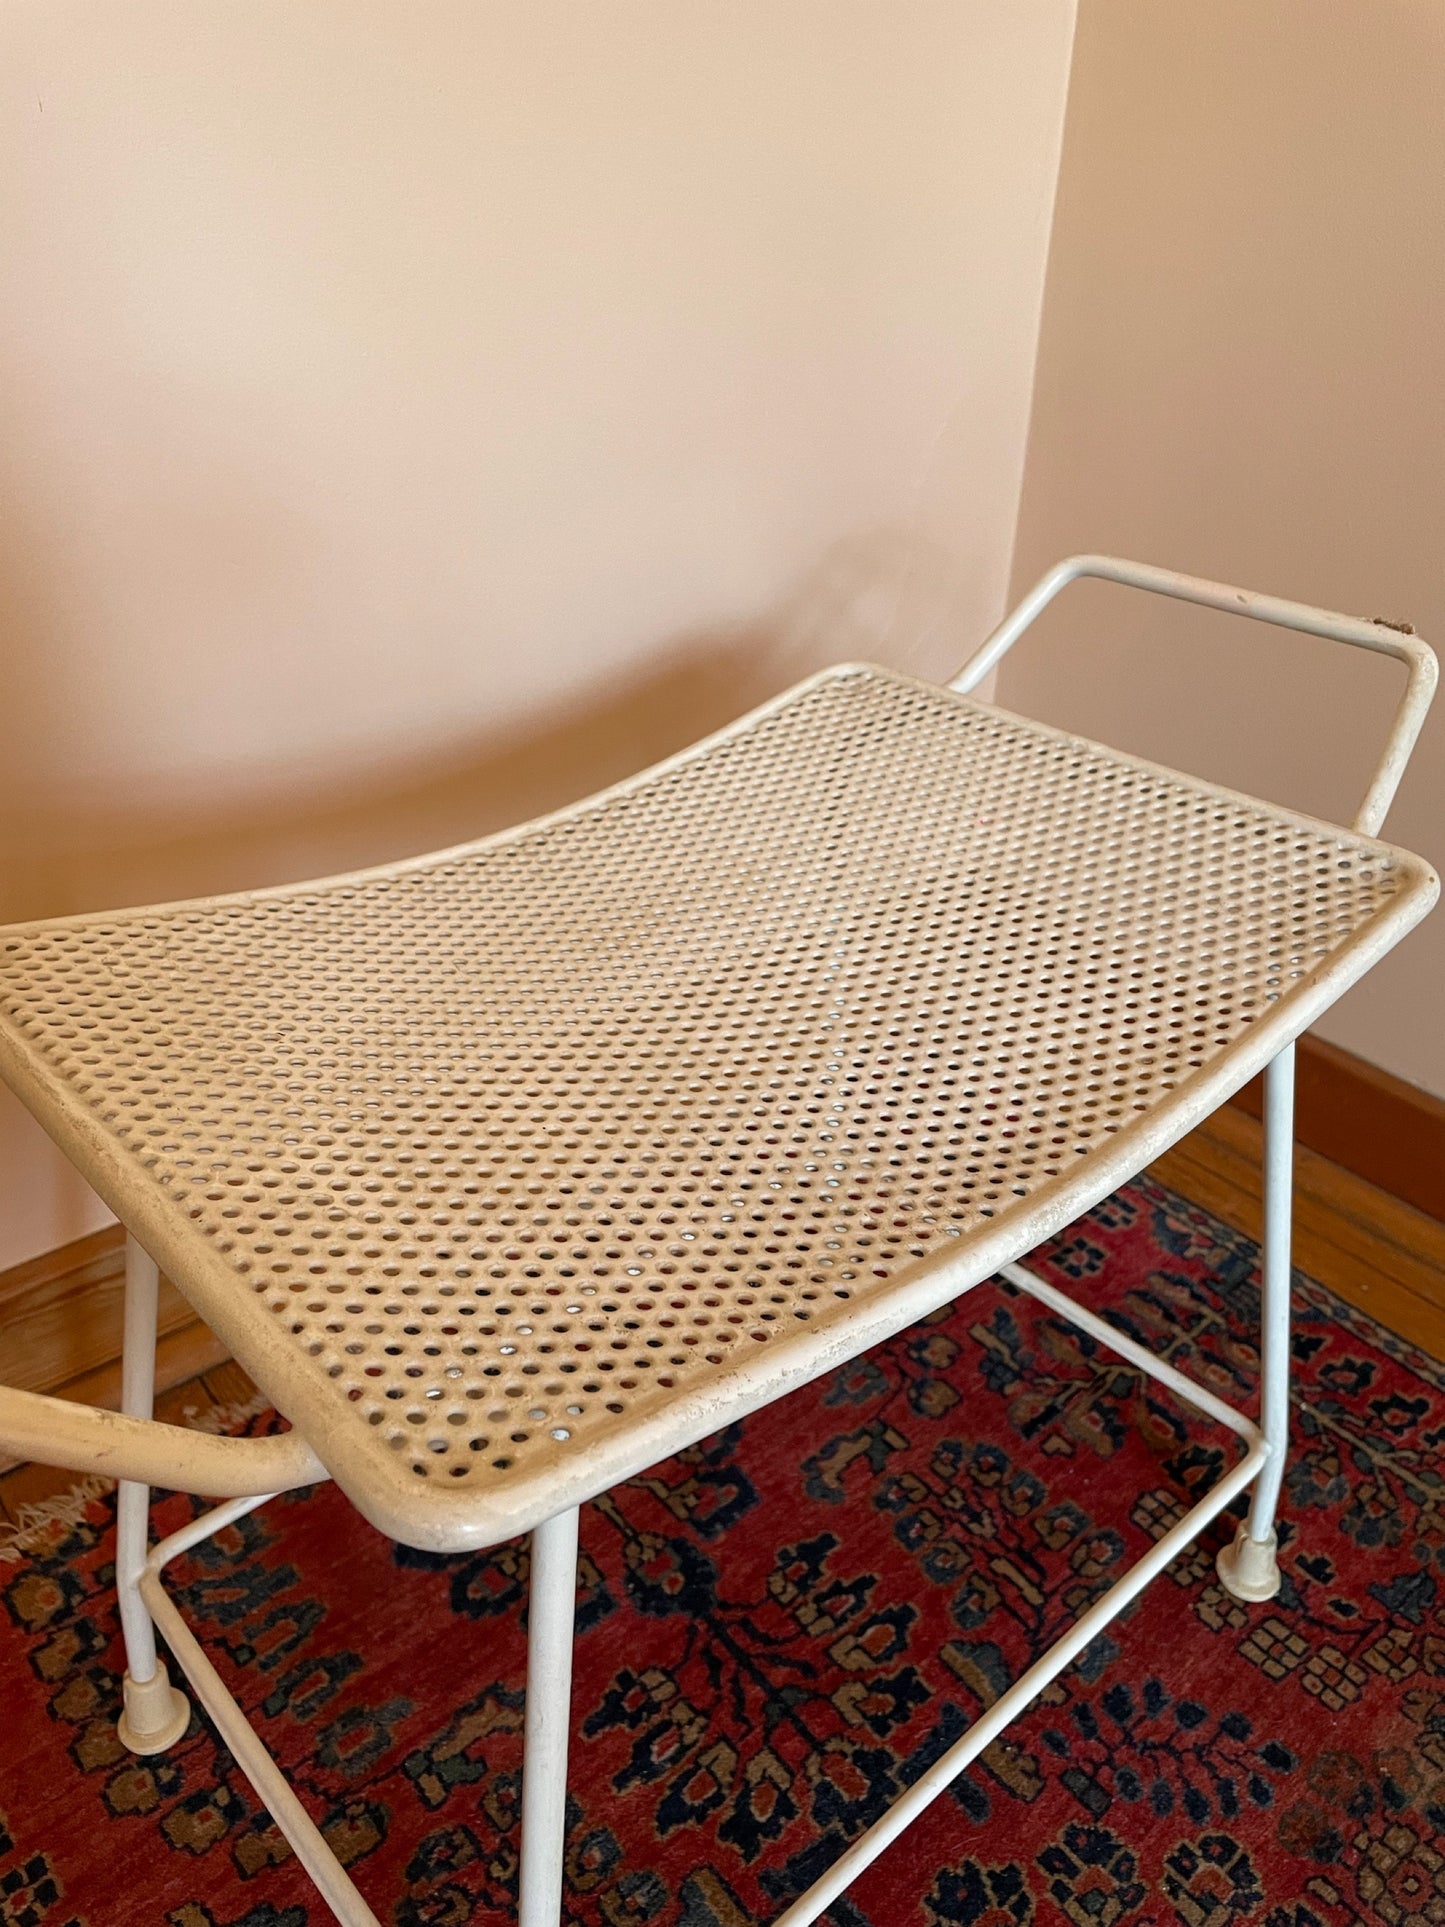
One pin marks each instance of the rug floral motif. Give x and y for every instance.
(780, 1628)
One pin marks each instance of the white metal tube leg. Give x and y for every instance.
(1249, 1567)
(550, 1615)
(155, 1714)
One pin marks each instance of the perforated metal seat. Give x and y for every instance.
(510, 1170)
(507, 1171)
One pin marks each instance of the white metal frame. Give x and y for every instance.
(1248, 1569)
(156, 1715)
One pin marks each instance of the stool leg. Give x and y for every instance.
(155, 1714)
(550, 1613)
(1249, 1568)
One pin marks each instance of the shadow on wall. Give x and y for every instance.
(878, 595)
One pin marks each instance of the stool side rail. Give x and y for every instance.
(1357, 631)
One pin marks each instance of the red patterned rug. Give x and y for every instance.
(779, 1628)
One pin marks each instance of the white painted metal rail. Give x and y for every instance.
(115, 1445)
(1359, 632)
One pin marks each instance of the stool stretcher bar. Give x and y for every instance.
(549, 1669)
(272, 1787)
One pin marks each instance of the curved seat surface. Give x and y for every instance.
(507, 1171)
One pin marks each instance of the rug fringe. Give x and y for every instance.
(40, 1519)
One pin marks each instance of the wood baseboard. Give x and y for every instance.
(62, 1315)
(1374, 1124)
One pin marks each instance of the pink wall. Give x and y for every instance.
(1242, 374)
(383, 385)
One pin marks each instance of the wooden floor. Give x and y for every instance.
(1376, 1252)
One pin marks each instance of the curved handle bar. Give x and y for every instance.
(83, 1438)
(1355, 630)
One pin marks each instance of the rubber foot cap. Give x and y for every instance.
(155, 1715)
(1248, 1568)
